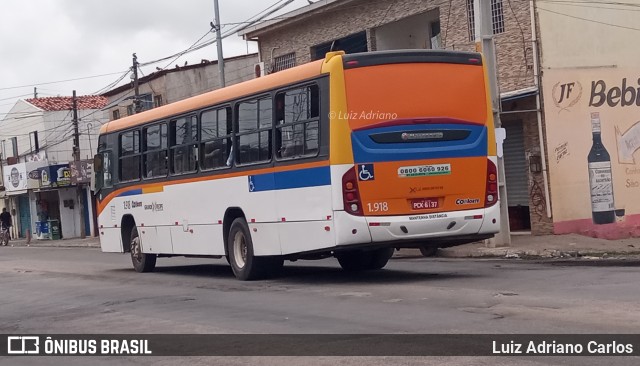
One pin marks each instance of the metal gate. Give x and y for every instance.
(25, 215)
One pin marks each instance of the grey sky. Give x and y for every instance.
(51, 40)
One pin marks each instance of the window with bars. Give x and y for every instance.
(157, 101)
(471, 17)
(497, 18)
(284, 62)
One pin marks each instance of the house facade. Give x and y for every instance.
(177, 83)
(308, 33)
(591, 88)
(40, 184)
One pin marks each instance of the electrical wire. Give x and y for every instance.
(59, 81)
(588, 20)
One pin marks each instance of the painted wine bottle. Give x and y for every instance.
(600, 177)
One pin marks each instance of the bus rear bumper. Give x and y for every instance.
(428, 228)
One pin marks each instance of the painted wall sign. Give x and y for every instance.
(593, 134)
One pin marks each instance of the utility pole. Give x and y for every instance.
(137, 106)
(76, 159)
(76, 133)
(35, 92)
(219, 44)
(486, 45)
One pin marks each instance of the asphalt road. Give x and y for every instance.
(66, 290)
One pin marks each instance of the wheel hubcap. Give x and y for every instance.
(239, 250)
(136, 253)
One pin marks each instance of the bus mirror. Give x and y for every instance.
(98, 165)
(501, 135)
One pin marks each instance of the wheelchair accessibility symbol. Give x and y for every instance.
(365, 172)
(252, 187)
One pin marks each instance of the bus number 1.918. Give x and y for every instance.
(378, 207)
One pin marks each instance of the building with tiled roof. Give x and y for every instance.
(66, 103)
(37, 135)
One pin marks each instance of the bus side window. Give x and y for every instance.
(184, 145)
(297, 115)
(107, 170)
(215, 137)
(255, 123)
(129, 156)
(155, 157)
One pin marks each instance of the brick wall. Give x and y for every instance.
(351, 16)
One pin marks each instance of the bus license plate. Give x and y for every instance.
(424, 203)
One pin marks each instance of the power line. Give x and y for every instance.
(591, 5)
(17, 96)
(124, 75)
(229, 32)
(59, 81)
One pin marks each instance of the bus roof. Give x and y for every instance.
(217, 96)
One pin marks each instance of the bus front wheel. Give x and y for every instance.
(141, 262)
(246, 266)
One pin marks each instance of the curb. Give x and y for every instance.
(54, 244)
(507, 253)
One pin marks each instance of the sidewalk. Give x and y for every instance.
(545, 246)
(89, 242)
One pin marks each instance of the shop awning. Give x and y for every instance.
(518, 94)
(16, 193)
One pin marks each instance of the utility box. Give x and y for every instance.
(54, 229)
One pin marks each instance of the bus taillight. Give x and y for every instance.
(491, 196)
(350, 194)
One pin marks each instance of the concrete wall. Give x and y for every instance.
(590, 68)
(574, 36)
(58, 135)
(183, 83)
(55, 131)
(409, 33)
(22, 119)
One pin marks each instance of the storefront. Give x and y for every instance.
(19, 184)
(54, 203)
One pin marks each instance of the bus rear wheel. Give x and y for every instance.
(246, 266)
(141, 262)
(359, 260)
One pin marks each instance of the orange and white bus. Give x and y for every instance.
(350, 156)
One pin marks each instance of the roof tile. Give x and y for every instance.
(66, 103)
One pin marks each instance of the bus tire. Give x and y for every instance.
(380, 258)
(245, 265)
(359, 260)
(428, 251)
(141, 262)
(354, 260)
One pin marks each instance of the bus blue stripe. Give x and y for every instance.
(301, 178)
(365, 150)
